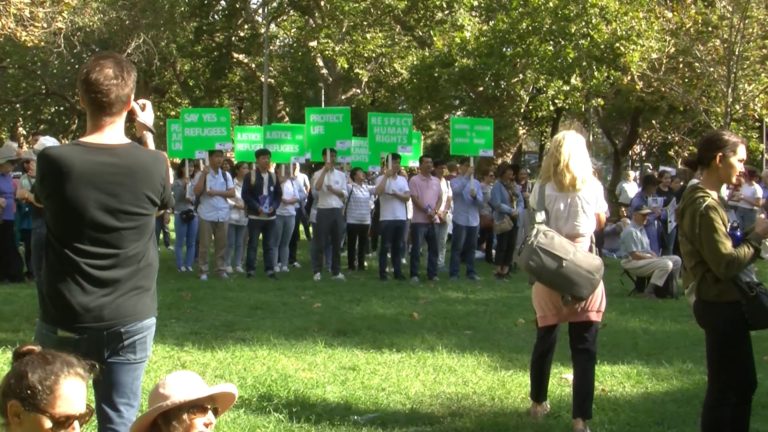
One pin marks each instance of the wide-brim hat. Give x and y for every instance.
(179, 388)
(8, 152)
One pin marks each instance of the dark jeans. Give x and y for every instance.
(731, 376)
(301, 219)
(256, 227)
(486, 239)
(583, 339)
(329, 225)
(505, 247)
(122, 354)
(423, 231)
(11, 266)
(357, 245)
(392, 232)
(463, 244)
(162, 227)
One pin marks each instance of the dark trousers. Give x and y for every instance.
(25, 235)
(427, 232)
(463, 244)
(485, 239)
(731, 376)
(330, 223)
(162, 227)
(265, 228)
(505, 247)
(392, 232)
(583, 339)
(357, 245)
(11, 266)
(301, 220)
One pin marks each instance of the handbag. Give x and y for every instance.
(557, 262)
(754, 299)
(486, 221)
(503, 225)
(187, 215)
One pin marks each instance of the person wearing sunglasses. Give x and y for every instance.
(183, 402)
(45, 390)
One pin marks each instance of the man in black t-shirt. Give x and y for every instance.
(101, 194)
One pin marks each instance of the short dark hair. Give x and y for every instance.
(262, 152)
(438, 163)
(648, 181)
(395, 156)
(463, 160)
(354, 172)
(328, 149)
(106, 83)
(424, 156)
(214, 151)
(35, 373)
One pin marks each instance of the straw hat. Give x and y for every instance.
(8, 152)
(179, 388)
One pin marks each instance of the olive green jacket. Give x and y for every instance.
(709, 259)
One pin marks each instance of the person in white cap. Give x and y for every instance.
(183, 402)
(11, 266)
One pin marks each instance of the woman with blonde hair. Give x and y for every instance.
(575, 205)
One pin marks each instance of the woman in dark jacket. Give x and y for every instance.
(712, 262)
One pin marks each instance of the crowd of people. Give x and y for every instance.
(96, 306)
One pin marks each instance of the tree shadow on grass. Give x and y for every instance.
(676, 410)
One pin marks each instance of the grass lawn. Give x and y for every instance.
(365, 355)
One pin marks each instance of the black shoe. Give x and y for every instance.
(249, 274)
(401, 278)
(272, 275)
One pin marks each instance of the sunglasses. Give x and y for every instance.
(64, 422)
(197, 411)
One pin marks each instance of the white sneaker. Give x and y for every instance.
(339, 276)
(189, 269)
(276, 269)
(228, 269)
(239, 269)
(317, 277)
(204, 277)
(297, 265)
(284, 269)
(415, 279)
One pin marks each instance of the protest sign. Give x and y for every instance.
(363, 156)
(286, 142)
(205, 129)
(329, 127)
(411, 159)
(248, 139)
(390, 133)
(174, 143)
(471, 136)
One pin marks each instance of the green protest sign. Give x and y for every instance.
(285, 141)
(206, 129)
(174, 143)
(390, 133)
(411, 159)
(247, 140)
(471, 136)
(363, 156)
(329, 127)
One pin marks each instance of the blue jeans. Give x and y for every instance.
(256, 227)
(425, 231)
(463, 245)
(122, 354)
(235, 243)
(282, 238)
(186, 234)
(392, 233)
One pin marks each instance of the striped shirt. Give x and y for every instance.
(359, 204)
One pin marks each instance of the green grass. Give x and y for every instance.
(370, 356)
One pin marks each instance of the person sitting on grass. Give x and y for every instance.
(45, 390)
(183, 402)
(640, 260)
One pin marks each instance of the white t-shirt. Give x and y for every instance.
(326, 199)
(572, 214)
(750, 192)
(288, 193)
(390, 207)
(445, 186)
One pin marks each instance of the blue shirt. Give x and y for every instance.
(466, 210)
(7, 192)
